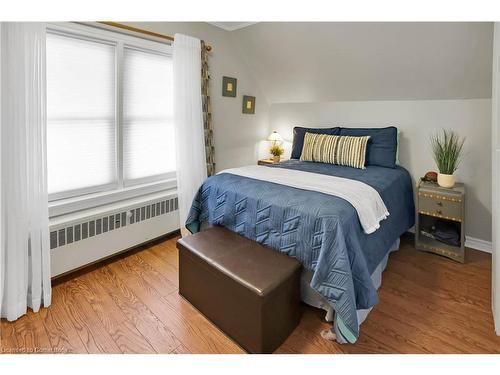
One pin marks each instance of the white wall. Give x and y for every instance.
(237, 136)
(298, 62)
(416, 120)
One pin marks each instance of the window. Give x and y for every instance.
(109, 112)
(147, 115)
(81, 149)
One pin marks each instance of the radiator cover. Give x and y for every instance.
(89, 238)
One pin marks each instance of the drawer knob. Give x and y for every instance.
(439, 204)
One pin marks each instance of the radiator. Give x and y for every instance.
(78, 240)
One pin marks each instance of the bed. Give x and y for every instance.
(342, 262)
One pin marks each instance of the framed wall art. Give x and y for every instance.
(248, 104)
(229, 86)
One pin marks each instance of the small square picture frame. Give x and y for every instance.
(248, 106)
(229, 86)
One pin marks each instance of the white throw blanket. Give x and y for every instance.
(365, 199)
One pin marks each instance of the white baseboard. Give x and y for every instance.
(478, 244)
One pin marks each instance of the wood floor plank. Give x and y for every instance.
(433, 304)
(123, 332)
(162, 266)
(194, 331)
(295, 344)
(157, 334)
(307, 336)
(308, 333)
(447, 329)
(427, 279)
(398, 334)
(181, 349)
(90, 330)
(427, 304)
(168, 252)
(62, 334)
(29, 335)
(139, 265)
(8, 343)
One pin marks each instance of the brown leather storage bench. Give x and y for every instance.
(250, 291)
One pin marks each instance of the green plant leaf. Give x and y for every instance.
(276, 150)
(447, 149)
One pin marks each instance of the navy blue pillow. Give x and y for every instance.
(382, 145)
(298, 137)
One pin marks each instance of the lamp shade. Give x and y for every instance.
(275, 137)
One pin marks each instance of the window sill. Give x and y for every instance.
(71, 205)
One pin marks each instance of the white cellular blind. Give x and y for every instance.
(148, 132)
(81, 150)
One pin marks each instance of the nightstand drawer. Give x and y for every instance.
(440, 206)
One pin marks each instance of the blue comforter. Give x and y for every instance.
(322, 231)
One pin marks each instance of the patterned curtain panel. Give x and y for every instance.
(207, 112)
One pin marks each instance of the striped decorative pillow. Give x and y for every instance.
(335, 149)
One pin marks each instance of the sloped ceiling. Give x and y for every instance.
(231, 26)
(314, 62)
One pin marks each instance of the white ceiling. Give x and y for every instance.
(231, 26)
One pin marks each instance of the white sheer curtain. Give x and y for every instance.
(188, 119)
(24, 232)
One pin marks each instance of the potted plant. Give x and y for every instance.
(276, 151)
(447, 151)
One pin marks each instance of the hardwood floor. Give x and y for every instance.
(130, 304)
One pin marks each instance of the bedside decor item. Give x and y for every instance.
(275, 137)
(229, 86)
(276, 150)
(248, 105)
(440, 220)
(430, 176)
(447, 151)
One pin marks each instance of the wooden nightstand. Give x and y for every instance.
(267, 162)
(435, 203)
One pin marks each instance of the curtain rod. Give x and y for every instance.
(142, 31)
